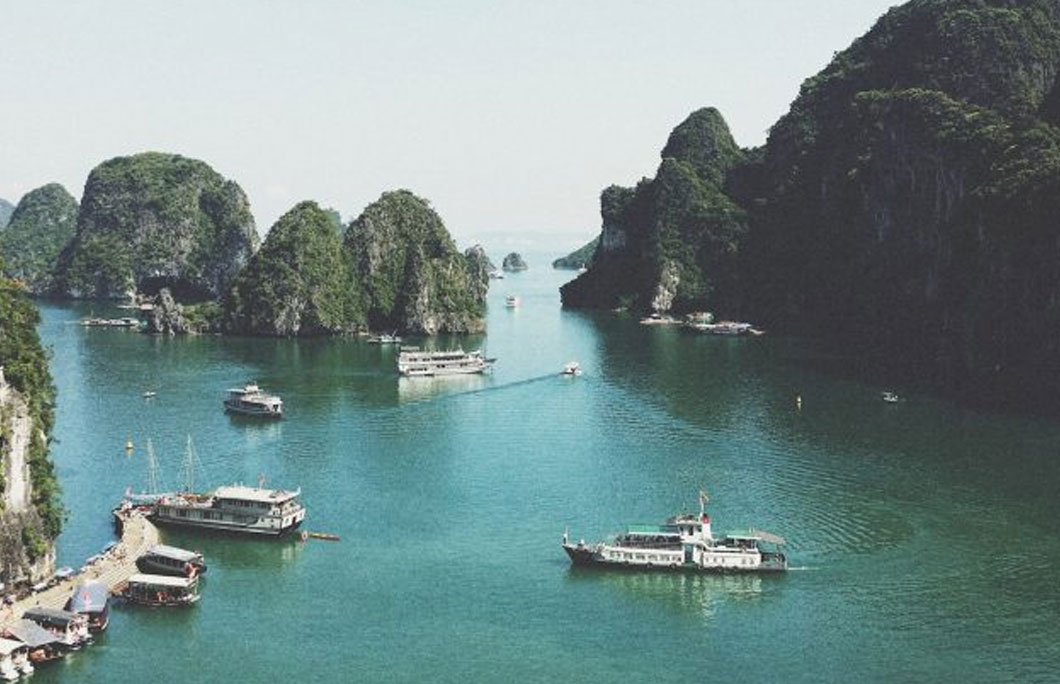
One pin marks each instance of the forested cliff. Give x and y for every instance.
(30, 508)
(906, 203)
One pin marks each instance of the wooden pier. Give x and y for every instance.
(115, 567)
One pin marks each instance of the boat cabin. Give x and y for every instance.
(161, 590)
(70, 628)
(252, 401)
(91, 599)
(41, 644)
(170, 560)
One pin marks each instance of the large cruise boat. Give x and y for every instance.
(250, 400)
(414, 362)
(235, 508)
(684, 543)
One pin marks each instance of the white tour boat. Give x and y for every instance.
(684, 543)
(413, 362)
(250, 400)
(572, 368)
(235, 508)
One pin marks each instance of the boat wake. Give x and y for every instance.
(421, 390)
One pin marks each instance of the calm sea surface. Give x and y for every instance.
(923, 536)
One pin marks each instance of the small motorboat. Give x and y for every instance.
(890, 397)
(149, 394)
(571, 368)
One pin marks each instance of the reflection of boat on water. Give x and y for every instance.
(685, 543)
(420, 388)
(698, 593)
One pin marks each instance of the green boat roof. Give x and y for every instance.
(651, 529)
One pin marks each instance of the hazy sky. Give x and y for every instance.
(510, 117)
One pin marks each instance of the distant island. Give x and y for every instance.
(514, 262)
(579, 258)
(904, 206)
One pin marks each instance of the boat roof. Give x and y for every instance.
(89, 597)
(651, 529)
(245, 493)
(756, 534)
(51, 615)
(31, 634)
(173, 552)
(162, 580)
(7, 646)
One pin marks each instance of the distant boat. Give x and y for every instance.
(149, 394)
(890, 397)
(571, 368)
(251, 401)
(511, 301)
(415, 363)
(657, 319)
(731, 328)
(384, 339)
(496, 275)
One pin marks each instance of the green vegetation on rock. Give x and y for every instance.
(408, 270)
(905, 205)
(157, 220)
(672, 242)
(40, 227)
(396, 268)
(298, 282)
(579, 258)
(25, 365)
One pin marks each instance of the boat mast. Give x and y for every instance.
(191, 459)
(152, 469)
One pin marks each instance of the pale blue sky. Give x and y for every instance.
(510, 117)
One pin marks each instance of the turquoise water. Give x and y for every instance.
(922, 535)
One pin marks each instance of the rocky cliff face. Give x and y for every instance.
(167, 316)
(479, 267)
(672, 242)
(30, 511)
(157, 220)
(298, 284)
(409, 272)
(40, 227)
